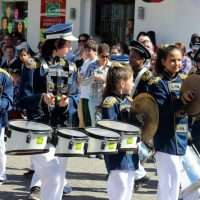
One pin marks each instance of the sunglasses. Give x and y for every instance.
(104, 56)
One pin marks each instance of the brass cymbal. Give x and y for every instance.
(192, 83)
(146, 110)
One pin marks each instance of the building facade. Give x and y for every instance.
(171, 20)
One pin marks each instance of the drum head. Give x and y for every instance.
(102, 133)
(192, 84)
(118, 126)
(25, 126)
(69, 133)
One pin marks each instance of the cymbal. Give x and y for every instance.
(146, 110)
(192, 83)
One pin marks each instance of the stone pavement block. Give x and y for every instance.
(87, 177)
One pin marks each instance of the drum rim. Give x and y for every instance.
(120, 131)
(70, 136)
(101, 137)
(26, 130)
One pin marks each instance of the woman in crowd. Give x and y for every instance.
(99, 78)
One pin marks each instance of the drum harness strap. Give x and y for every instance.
(137, 80)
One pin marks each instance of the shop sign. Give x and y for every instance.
(52, 12)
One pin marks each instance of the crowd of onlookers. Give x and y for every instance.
(15, 52)
(90, 63)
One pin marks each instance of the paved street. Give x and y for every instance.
(86, 176)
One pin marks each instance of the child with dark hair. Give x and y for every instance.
(116, 106)
(85, 81)
(170, 140)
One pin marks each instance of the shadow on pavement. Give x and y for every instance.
(82, 197)
(19, 180)
(89, 189)
(13, 196)
(85, 176)
(151, 186)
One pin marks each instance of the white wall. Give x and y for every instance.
(76, 22)
(82, 23)
(172, 20)
(33, 34)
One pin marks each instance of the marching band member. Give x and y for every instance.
(44, 106)
(116, 106)
(170, 140)
(6, 99)
(138, 55)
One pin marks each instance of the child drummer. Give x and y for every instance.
(116, 106)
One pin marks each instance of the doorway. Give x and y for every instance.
(111, 19)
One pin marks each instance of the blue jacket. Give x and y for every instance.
(33, 84)
(171, 136)
(6, 96)
(143, 85)
(118, 108)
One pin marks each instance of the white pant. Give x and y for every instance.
(140, 172)
(51, 171)
(190, 175)
(35, 181)
(120, 184)
(2, 155)
(169, 170)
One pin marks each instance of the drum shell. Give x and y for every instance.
(95, 146)
(128, 142)
(100, 144)
(69, 146)
(27, 137)
(128, 134)
(26, 143)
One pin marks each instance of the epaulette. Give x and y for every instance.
(109, 102)
(38, 62)
(183, 76)
(147, 75)
(62, 62)
(5, 72)
(154, 80)
(130, 99)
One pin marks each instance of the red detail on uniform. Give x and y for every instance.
(153, 1)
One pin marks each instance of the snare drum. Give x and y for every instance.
(129, 133)
(27, 137)
(102, 141)
(70, 143)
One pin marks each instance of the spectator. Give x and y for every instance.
(82, 40)
(11, 63)
(19, 32)
(85, 79)
(99, 79)
(4, 27)
(115, 50)
(129, 30)
(186, 61)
